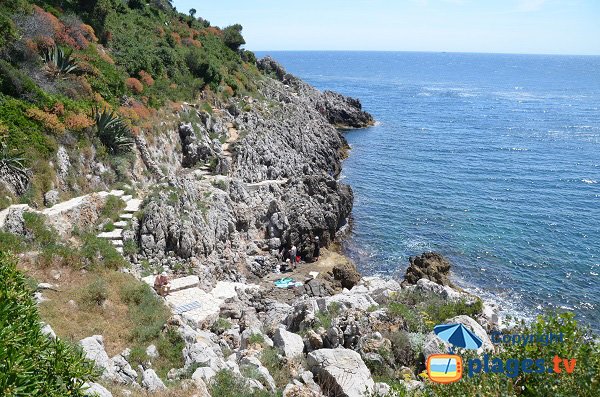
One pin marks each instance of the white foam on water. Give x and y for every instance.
(589, 181)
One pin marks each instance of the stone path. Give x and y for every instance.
(132, 205)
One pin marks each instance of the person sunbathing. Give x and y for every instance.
(161, 284)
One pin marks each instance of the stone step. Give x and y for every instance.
(119, 249)
(127, 197)
(133, 205)
(116, 193)
(121, 224)
(117, 243)
(126, 216)
(116, 234)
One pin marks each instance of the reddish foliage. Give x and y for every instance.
(104, 55)
(72, 33)
(160, 31)
(48, 120)
(135, 111)
(58, 109)
(146, 78)
(176, 37)
(191, 42)
(211, 30)
(44, 43)
(78, 121)
(134, 85)
(194, 33)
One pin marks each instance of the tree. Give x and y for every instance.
(192, 12)
(232, 36)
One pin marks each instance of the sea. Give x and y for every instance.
(492, 160)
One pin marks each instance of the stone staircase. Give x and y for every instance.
(132, 205)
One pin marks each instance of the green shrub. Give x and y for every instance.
(41, 234)
(130, 247)
(232, 36)
(100, 253)
(269, 357)
(95, 293)
(220, 326)
(420, 312)
(257, 339)
(31, 364)
(10, 242)
(325, 318)
(228, 384)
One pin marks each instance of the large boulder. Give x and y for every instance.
(93, 348)
(290, 343)
(430, 265)
(346, 274)
(341, 372)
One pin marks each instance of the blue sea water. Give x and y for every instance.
(492, 160)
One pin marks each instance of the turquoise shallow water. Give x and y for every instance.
(492, 160)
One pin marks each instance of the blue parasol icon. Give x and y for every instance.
(458, 335)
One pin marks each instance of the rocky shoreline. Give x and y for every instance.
(220, 193)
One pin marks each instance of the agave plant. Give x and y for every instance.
(12, 167)
(112, 131)
(59, 61)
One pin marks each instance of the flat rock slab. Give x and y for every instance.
(177, 284)
(120, 224)
(133, 205)
(226, 289)
(203, 316)
(126, 216)
(116, 234)
(116, 193)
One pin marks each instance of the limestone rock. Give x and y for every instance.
(96, 390)
(151, 381)
(204, 374)
(342, 369)
(290, 343)
(152, 351)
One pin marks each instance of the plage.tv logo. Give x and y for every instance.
(448, 368)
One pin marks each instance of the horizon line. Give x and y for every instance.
(439, 52)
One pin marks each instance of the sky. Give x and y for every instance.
(497, 26)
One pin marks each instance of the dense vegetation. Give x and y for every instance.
(67, 64)
(32, 364)
(578, 344)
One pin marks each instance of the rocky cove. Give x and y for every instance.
(214, 196)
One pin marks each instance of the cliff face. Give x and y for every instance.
(270, 180)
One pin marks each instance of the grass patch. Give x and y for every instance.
(221, 325)
(112, 208)
(227, 384)
(325, 318)
(269, 357)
